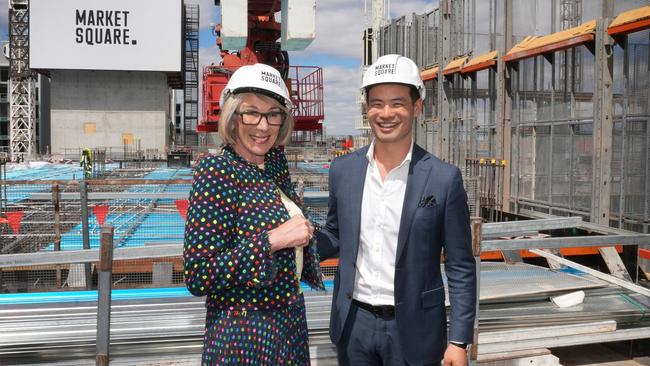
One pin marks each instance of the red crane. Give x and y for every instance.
(305, 83)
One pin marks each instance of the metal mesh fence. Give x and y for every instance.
(48, 216)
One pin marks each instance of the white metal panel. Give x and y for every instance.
(142, 35)
(298, 24)
(234, 24)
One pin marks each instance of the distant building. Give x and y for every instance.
(41, 105)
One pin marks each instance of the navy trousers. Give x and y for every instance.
(369, 341)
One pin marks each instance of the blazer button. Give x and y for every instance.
(348, 295)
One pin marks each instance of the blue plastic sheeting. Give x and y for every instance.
(116, 295)
(149, 228)
(169, 173)
(322, 168)
(41, 172)
(46, 172)
(148, 231)
(49, 171)
(573, 271)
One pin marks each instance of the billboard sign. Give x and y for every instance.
(134, 35)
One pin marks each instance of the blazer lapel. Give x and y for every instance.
(417, 179)
(356, 196)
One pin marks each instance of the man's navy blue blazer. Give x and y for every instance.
(435, 220)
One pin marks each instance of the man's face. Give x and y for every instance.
(391, 112)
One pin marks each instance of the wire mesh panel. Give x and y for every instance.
(48, 216)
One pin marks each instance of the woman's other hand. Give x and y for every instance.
(296, 232)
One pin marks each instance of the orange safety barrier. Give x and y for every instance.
(644, 253)
(496, 255)
(535, 45)
(429, 74)
(631, 21)
(455, 65)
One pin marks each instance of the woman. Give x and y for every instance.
(245, 230)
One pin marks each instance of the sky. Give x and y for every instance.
(337, 49)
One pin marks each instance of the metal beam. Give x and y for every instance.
(527, 333)
(618, 335)
(497, 229)
(89, 256)
(74, 196)
(565, 242)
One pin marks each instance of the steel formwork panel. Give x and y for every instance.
(538, 113)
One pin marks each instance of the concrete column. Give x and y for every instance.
(444, 86)
(603, 125)
(504, 109)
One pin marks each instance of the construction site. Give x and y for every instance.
(544, 105)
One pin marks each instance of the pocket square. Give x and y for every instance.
(428, 201)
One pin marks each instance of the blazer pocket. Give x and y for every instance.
(427, 212)
(435, 297)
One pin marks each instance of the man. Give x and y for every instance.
(393, 209)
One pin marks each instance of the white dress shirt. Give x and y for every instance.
(381, 212)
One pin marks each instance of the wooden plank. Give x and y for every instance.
(554, 264)
(511, 256)
(614, 263)
(609, 278)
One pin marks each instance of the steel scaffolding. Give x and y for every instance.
(191, 75)
(22, 113)
(568, 118)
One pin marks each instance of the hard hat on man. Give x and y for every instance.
(393, 69)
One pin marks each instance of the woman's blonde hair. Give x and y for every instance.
(228, 119)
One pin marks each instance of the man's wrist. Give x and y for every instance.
(459, 344)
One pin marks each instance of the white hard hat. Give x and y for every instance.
(393, 69)
(257, 78)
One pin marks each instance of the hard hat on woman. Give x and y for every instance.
(257, 78)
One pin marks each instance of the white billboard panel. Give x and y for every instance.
(138, 35)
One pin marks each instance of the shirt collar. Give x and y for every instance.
(371, 153)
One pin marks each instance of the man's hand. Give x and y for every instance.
(455, 356)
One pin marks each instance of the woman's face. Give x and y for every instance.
(254, 140)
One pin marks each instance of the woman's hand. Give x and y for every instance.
(296, 232)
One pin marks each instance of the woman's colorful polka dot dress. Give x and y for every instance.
(256, 311)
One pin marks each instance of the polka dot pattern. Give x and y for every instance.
(257, 338)
(232, 206)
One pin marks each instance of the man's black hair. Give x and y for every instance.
(413, 91)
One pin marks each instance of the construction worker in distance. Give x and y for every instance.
(86, 162)
(393, 209)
